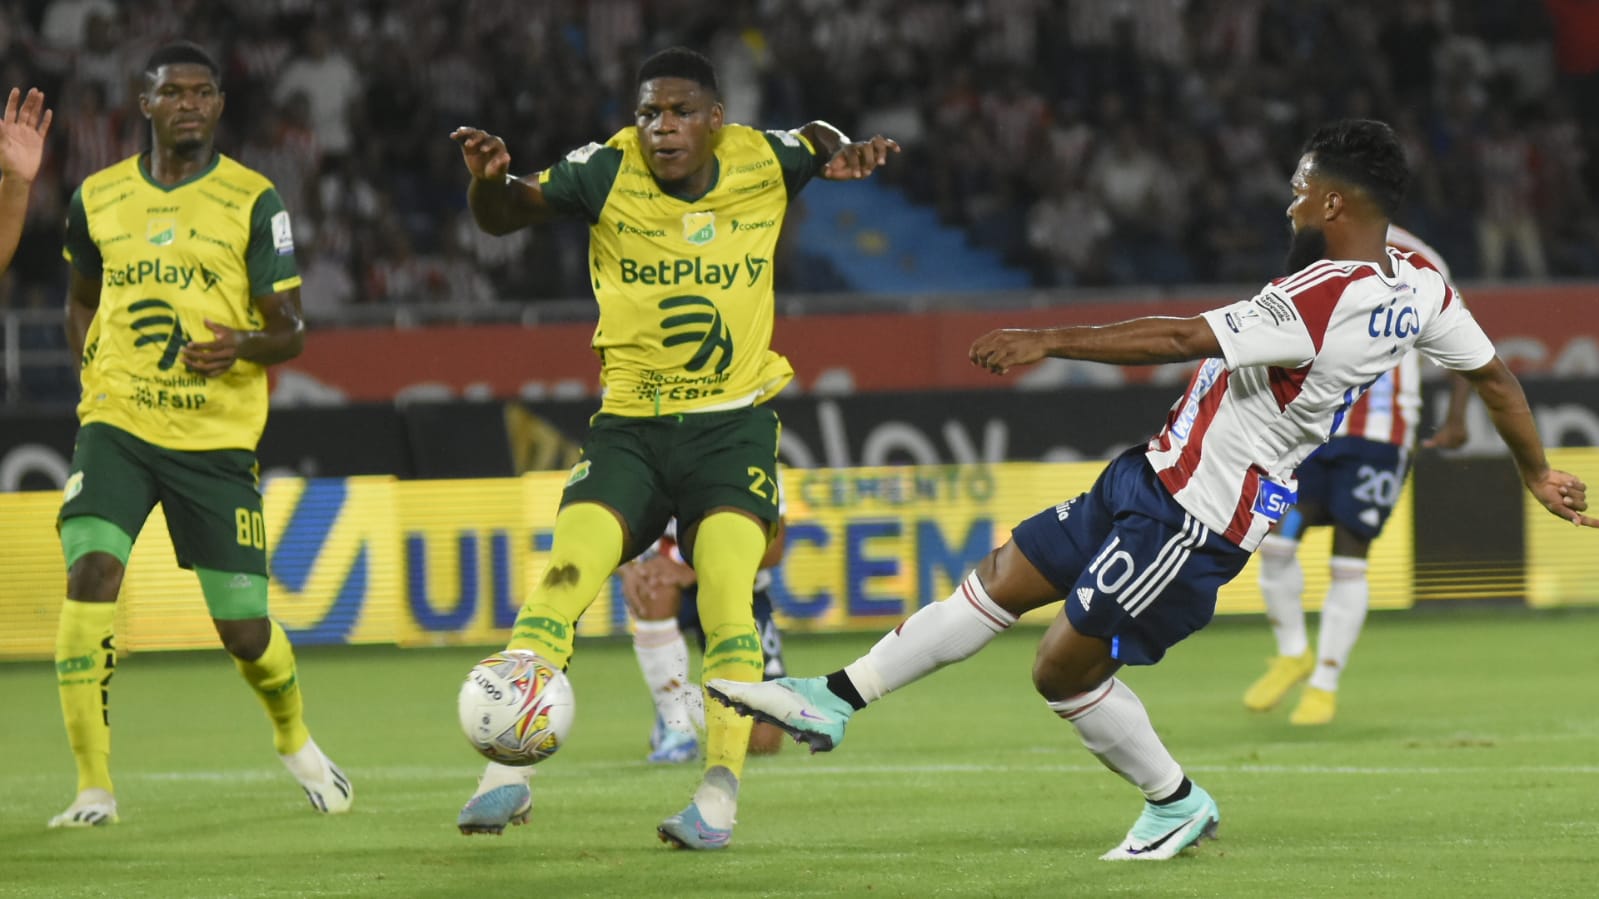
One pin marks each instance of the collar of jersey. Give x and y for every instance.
(145, 173)
(716, 176)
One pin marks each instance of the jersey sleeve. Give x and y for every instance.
(1454, 340)
(796, 156)
(270, 256)
(1264, 330)
(77, 247)
(579, 184)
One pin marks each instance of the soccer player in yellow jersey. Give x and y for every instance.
(684, 213)
(22, 132)
(182, 290)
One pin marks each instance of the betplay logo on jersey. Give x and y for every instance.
(689, 313)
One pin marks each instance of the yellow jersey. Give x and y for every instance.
(684, 284)
(168, 259)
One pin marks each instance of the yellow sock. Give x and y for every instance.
(587, 547)
(727, 553)
(278, 685)
(86, 657)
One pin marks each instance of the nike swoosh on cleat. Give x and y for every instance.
(809, 717)
(1156, 844)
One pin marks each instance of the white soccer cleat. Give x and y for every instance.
(94, 807)
(325, 785)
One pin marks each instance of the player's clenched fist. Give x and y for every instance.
(485, 155)
(998, 350)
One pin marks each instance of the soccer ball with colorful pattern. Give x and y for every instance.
(516, 708)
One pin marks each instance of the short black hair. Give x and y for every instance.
(181, 53)
(1367, 154)
(680, 62)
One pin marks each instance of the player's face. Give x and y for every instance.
(1309, 238)
(676, 118)
(183, 105)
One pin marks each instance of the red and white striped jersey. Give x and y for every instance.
(1390, 409)
(1296, 357)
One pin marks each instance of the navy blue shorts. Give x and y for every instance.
(1356, 480)
(1135, 568)
(688, 621)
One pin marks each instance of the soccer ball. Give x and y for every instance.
(516, 708)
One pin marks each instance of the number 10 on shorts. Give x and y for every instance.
(251, 528)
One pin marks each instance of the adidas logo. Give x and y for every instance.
(1085, 595)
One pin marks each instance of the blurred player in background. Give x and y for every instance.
(663, 597)
(23, 129)
(1138, 558)
(182, 289)
(684, 212)
(1351, 484)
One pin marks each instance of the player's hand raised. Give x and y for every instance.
(1565, 495)
(22, 133)
(999, 350)
(214, 357)
(860, 158)
(485, 155)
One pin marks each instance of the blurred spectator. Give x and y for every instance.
(1029, 123)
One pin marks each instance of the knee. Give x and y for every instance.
(95, 577)
(1054, 683)
(245, 640)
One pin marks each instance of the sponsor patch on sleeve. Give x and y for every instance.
(1242, 320)
(1279, 308)
(282, 233)
(786, 138)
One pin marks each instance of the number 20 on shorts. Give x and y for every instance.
(251, 528)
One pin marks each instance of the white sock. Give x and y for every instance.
(717, 797)
(1342, 615)
(1281, 583)
(498, 775)
(1116, 729)
(663, 659)
(947, 631)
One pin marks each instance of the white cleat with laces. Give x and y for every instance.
(329, 791)
(94, 807)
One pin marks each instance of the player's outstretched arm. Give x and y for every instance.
(1561, 493)
(500, 203)
(23, 129)
(1142, 341)
(281, 338)
(847, 160)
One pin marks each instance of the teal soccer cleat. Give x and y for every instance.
(801, 706)
(675, 748)
(1162, 831)
(491, 810)
(687, 830)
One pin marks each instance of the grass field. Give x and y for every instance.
(1463, 764)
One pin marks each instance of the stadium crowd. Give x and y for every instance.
(1094, 142)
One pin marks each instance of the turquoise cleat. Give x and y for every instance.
(675, 748)
(801, 706)
(491, 810)
(1162, 831)
(687, 830)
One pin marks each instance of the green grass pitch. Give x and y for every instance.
(1463, 764)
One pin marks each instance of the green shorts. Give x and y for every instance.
(652, 469)
(212, 498)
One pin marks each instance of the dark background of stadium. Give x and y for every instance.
(1091, 143)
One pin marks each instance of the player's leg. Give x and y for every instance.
(1036, 567)
(1151, 585)
(108, 495)
(767, 738)
(613, 499)
(1365, 488)
(724, 483)
(1282, 586)
(657, 605)
(213, 507)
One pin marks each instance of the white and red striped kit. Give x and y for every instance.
(1297, 356)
